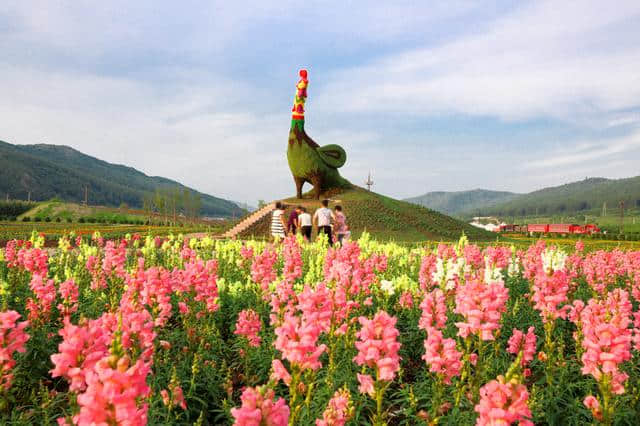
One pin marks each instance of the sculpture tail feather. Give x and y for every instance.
(332, 155)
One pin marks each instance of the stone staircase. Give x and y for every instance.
(249, 220)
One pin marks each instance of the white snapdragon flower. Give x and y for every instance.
(439, 274)
(514, 267)
(447, 271)
(387, 286)
(491, 272)
(553, 260)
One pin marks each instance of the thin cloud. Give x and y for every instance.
(588, 152)
(541, 61)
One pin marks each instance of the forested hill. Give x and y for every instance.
(49, 171)
(586, 195)
(455, 202)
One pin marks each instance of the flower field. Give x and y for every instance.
(53, 231)
(165, 331)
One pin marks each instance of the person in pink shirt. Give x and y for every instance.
(340, 227)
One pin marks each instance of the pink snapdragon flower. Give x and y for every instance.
(197, 283)
(176, 399)
(154, 288)
(473, 256)
(427, 268)
(115, 258)
(114, 393)
(292, 255)
(482, 306)
(259, 408)
(316, 305)
(84, 345)
(503, 403)
(11, 253)
(378, 345)
(338, 411)
(246, 252)
(344, 266)
(636, 331)
(283, 301)
(81, 348)
(279, 372)
(607, 337)
(366, 384)
(249, 325)
(98, 278)
(549, 293)
(532, 260)
(68, 291)
(297, 340)
(592, 403)
(34, 260)
(573, 314)
(263, 269)
(602, 268)
(406, 300)
(12, 339)
(45, 292)
(497, 257)
(107, 362)
(434, 311)
(202, 278)
(523, 342)
(442, 356)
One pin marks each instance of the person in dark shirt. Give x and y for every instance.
(292, 224)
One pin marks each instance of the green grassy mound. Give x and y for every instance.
(62, 211)
(384, 218)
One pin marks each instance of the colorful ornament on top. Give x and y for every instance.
(301, 96)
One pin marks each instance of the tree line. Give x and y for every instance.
(14, 208)
(172, 204)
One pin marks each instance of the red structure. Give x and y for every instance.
(539, 228)
(562, 228)
(591, 228)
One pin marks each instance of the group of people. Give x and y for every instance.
(329, 222)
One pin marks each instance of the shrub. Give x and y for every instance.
(26, 219)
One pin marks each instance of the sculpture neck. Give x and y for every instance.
(297, 124)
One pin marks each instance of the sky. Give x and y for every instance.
(427, 96)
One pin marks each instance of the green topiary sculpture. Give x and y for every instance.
(308, 161)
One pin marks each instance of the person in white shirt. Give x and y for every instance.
(322, 218)
(278, 223)
(304, 219)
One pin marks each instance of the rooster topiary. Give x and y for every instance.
(308, 161)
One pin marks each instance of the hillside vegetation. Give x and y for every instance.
(453, 203)
(55, 171)
(578, 197)
(12, 209)
(385, 218)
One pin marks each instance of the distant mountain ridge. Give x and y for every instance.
(60, 171)
(575, 197)
(458, 201)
